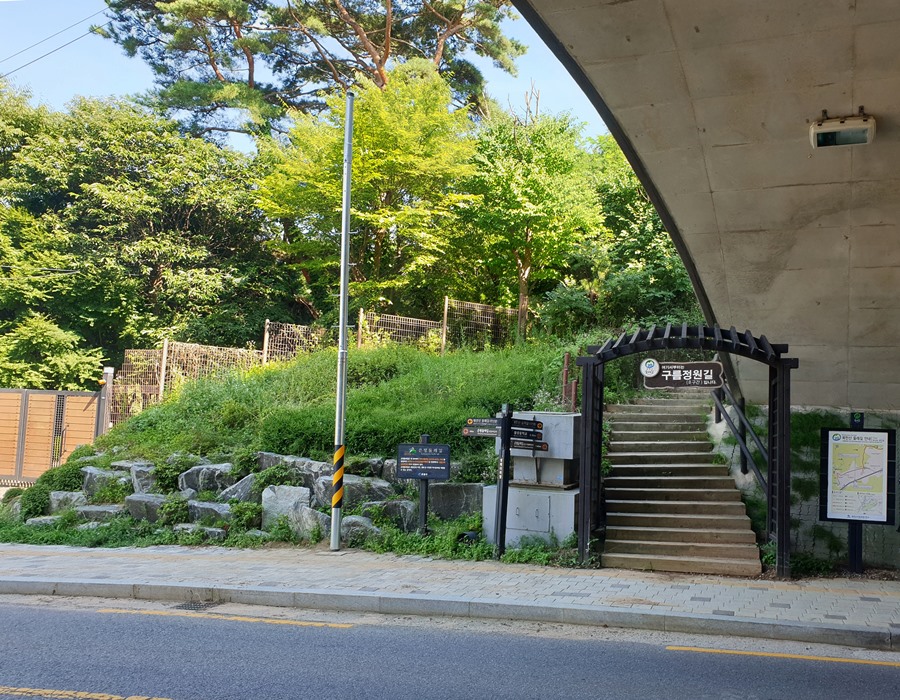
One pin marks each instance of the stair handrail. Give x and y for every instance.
(739, 435)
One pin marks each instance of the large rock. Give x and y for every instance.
(100, 514)
(356, 528)
(308, 470)
(357, 490)
(309, 524)
(449, 501)
(403, 514)
(217, 534)
(43, 520)
(281, 500)
(142, 478)
(202, 510)
(62, 500)
(241, 491)
(206, 477)
(144, 506)
(95, 479)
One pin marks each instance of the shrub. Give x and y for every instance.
(11, 494)
(245, 516)
(173, 510)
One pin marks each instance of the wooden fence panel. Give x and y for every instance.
(38, 434)
(10, 409)
(79, 423)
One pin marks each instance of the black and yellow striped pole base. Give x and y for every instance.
(337, 497)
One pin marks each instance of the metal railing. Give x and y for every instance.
(740, 431)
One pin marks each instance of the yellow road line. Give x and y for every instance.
(831, 659)
(67, 694)
(233, 618)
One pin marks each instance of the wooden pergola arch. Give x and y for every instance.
(591, 512)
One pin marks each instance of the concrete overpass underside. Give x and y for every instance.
(712, 101)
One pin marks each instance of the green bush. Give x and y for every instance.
(173, 510)
(245, 516)
(11, 494)
(35, 501)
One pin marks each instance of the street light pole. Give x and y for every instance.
(337, 482)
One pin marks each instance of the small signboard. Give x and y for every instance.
(423, 461)
(483, 421)
(858, 475)
(527, 424)
(533, 445)
(481, 431)
(675, 375)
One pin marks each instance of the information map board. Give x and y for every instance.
(423, 461)
(858, 475)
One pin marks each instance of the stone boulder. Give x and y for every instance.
(281, 500)
(91, 525)
(216, 534)
(356, 528)
(95, 479)
(144, 506)
(309, 524)
(241, 491)
(206, 477)
(142, 478)
(308, 470)
(100, 514)
(43, 520)
(62, 500)
(403, 514)
(357, 490)
(201, 510)
(449, 501)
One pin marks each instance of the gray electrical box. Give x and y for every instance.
(533, 512)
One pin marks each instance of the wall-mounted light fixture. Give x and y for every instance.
(843, 131)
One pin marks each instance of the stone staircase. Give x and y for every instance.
(669, 506)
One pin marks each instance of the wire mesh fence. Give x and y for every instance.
(468, 324)
(146, 376)
(376, 329)
(283, 341)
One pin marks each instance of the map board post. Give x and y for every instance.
(423, 461)
(857, 481)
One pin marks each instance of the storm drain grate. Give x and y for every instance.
(196, 606)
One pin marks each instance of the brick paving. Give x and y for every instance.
(859, 612)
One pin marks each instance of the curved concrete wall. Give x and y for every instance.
(712, 100)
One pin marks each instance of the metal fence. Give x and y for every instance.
(282, 341)
(146, 376)
(467, 324)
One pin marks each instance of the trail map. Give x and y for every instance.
(857, 476)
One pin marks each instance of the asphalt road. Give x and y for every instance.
(100, 650)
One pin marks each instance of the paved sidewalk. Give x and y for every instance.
(851, 612)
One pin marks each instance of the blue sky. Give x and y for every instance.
(94, 66)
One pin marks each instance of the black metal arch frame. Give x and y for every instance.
(591, 513)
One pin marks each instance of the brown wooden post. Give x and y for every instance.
(265, 350)
(359, 328)
(444, 324)
(162, 368)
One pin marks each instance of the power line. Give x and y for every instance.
(38, 43)
(25, 65)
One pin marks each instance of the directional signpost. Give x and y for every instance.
(514, 433)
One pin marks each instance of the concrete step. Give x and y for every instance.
(657, 408)
(658, 435)
(660, 446)
(671, 493)
(724, 522)
(683, 401)
(694, 565)
(680, 534)
(667, 507)
(662, 470)
(674, 483)
(632, 424)
(656, 457)
(718, 550)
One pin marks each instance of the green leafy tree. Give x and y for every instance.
(537, 204)
(38, 354)
(122, 231)
(261, 57)
(646, 281)
(410, 151)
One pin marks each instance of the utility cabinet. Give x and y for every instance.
(543, 493)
